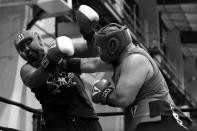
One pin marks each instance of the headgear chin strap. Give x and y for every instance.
(112, 40)
(29, 45)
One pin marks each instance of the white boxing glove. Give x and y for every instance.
(61, 47)
(58, 49)
(64, 45)
(87, 19)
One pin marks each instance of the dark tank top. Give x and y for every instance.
(154, 88)
(63, 97)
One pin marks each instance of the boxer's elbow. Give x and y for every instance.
(123, 102)
(120, 100)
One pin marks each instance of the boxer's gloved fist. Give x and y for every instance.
(59, 49)
(47, 64)
(87, 19)
(62, 47)
(101, 91)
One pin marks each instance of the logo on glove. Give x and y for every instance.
(45, 62)
(52, 44)
(106, 92)
(95, 90)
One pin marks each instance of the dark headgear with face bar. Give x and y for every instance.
(112, 40)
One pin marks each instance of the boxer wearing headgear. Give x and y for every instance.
(31, 48)
(138, 85)
(62, 95)
(112, 39)
(29, 45)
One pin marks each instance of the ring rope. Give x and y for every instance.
(7, 129)
(20, 105)
(39, 111)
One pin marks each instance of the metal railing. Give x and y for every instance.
(129, 18)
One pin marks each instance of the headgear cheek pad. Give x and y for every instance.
(31, 40)
(112, 40)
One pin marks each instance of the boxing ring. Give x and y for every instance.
(37, 113)
(38, 120)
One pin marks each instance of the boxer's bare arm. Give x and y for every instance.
(91, 65)
(135, 70)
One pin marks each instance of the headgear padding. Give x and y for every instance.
(112, 40)
(28, 44)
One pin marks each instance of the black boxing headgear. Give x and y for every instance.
(112, 40)
(29, 45)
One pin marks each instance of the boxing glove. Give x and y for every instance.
(48, 64)
(59, 53)
(63, 47)
(29, 45)
(57, 50)
(101, 90)
(87, 19)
